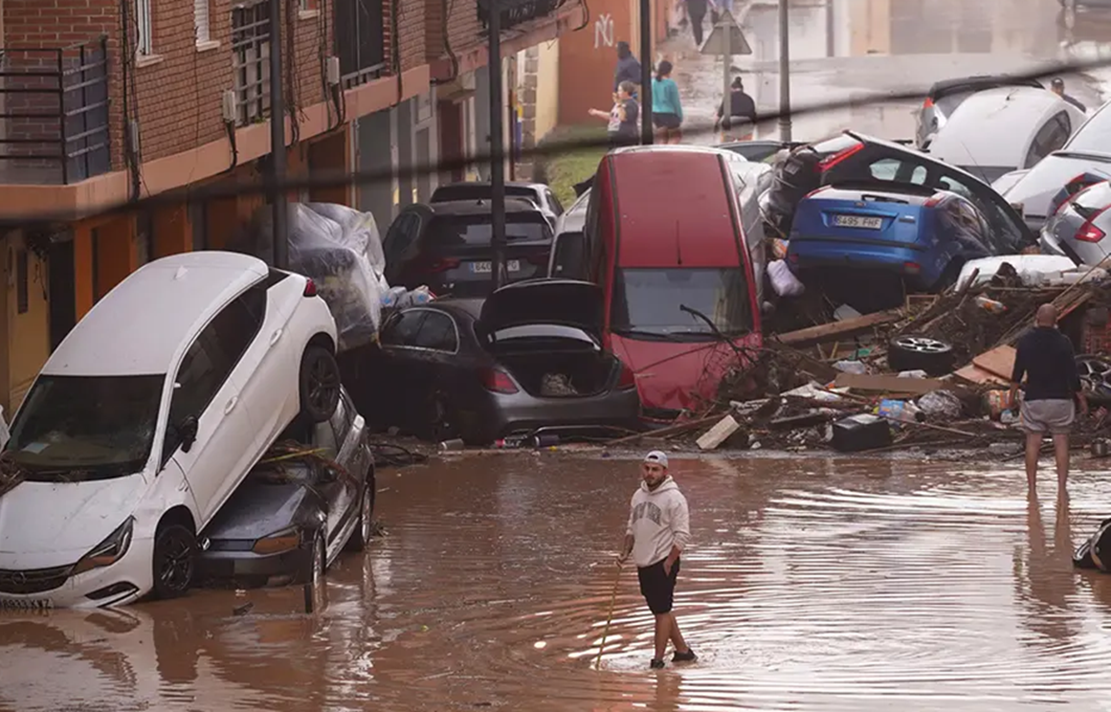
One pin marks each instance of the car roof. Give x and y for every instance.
(457, 306)
(139, 326)
(488, 184)
(995, 127)
(959, 84)
(481, 207)
(908, 149)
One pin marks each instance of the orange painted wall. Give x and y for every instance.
(587, 60)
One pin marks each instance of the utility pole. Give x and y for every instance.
(784, 73)
(646, 130)
(497, 145)
(277, 138)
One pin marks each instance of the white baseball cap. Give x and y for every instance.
(658, 457)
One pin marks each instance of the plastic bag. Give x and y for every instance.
(940, 403)
(848, 366)
(783, 280)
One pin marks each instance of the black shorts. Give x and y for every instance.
(657, 587)
(666, 121)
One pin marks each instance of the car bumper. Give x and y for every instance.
(521, 412)
(124, 582)
(257, 569)
(826, 254)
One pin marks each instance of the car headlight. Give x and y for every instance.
(278, 542)
(108, 551)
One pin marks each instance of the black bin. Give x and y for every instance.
(861, 432)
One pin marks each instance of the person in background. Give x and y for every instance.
(667, 111)
(656, 536)
(696, 11)
(628, 68)
(622, 117)
(741, 120)
(1057, 86)
(1045, 356)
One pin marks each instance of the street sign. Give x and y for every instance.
(726, 38)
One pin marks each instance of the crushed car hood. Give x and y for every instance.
(256, 510)
(566, 302)
(677, 375)
(44, 524)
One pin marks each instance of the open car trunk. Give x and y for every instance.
(560, 375)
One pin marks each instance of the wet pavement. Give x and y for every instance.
(835, 584)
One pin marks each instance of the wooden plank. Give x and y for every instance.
(978, 376)
(886, 383)
(719, 433)
(834, 330)
(999, 362)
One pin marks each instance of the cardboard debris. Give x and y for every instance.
(889, 384)
(719, 433)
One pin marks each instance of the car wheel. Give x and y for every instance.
(175, 550)
(319, 384)
(1082, 558)
(365, 524)
(913, 353)
(441, 418)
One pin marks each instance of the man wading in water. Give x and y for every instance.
(1045, 357)
(659, 529)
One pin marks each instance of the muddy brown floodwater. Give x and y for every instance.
(811, 584)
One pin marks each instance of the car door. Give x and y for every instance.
(397, 386)
(346, 500)
(1007, 231)
(435, 366)
(206, 388)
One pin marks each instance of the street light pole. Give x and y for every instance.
(277, 138)
(646, 131)
(784, 73)
(497, 145)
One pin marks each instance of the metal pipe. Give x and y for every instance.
(646, 131)
(277, 139)
(497, 144)
(784, 73)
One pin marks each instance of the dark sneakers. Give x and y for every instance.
(656, 664)
(687, 657)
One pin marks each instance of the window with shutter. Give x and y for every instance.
(200, 20)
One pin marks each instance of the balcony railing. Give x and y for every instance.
(54, 114)
(360, 40)
(250, 48)
(517, 12)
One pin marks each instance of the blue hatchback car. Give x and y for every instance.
(921, 234)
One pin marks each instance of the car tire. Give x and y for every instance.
(914, 353)
(174, 561)
(319, 384)
(364, 525)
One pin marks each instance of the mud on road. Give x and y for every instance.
(828, 584)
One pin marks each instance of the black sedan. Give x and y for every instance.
(528, 358)
(297, 509)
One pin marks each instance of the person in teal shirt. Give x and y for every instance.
(667, 111)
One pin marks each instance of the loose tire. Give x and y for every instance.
(175, 551)
(319, 384)
(913, 353)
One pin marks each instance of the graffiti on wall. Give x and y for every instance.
(603, 31)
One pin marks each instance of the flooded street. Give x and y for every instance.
(810, 584)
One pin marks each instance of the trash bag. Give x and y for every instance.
(944, 404)
(339, 248)
(783, 280)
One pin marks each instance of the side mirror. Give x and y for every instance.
(187, 432)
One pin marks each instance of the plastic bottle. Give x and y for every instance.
(991, 305)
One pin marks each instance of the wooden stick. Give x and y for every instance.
(664, 432)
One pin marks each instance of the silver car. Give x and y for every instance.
(1080, 228)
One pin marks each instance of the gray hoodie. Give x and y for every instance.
(658, 520)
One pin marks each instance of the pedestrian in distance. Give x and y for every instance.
(696, 11)
(1045, 357)
(667, 110)
(622, 117)
(657, 533)
(1057, 86)
(628, 68)
(741, 121)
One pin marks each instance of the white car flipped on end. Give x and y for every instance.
(147, 417)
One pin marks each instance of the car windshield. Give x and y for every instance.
(1094, 136)
(448, 231)
(86, 427)
(480, 191)
(646, 302)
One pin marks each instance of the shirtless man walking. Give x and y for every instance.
(658, 531)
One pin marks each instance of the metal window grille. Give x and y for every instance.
(200, 20)
(250, 43)
(144, 44)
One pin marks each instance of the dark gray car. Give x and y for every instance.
(1079, 229)
(297, 509)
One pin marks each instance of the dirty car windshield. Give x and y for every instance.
(646, 302)
(447, 232)
(86, 427)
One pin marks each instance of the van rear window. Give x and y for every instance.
(476, 231)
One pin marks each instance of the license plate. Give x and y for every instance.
(25, 604)
(486, 267)
(858, 221)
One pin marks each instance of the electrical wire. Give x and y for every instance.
(547, 149)
(393, 455)
(446, 11)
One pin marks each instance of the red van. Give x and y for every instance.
(672, 234)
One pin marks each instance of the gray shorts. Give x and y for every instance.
(1054, 415)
